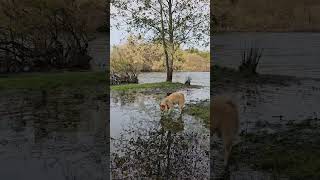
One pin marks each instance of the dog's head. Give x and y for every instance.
(163, 107)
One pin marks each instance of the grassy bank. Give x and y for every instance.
(164, 86)
(44, 81)
(200, 110)
(292, 152)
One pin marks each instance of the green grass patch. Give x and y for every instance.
(200, 110)
(36, 81)
(293, 152)
(150, 86)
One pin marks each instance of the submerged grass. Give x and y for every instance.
(43, 81)
(151, 86)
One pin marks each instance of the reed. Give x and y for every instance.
(250, 61)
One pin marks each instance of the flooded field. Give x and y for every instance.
(146, 144)
(276, 119)
(53, 135)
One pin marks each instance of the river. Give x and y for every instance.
(294, 54)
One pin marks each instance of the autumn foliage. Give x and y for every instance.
(136, 55)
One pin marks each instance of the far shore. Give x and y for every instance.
(266, 31)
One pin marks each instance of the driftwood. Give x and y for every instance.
(116, 79)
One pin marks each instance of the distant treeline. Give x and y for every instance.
(266, 15)
(137, 55)
(39, 35)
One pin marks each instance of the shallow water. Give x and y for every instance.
(52, 135)
(148, 144)
(294, 54)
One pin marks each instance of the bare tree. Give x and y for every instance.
(47, 33)
(172, 22)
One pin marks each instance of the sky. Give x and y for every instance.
(118, 36)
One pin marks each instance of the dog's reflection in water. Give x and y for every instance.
(172, 124)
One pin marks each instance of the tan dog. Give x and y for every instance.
(171, 100)
(225, 122)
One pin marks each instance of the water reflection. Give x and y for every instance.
(168, 124)
(52, 135)
(160, 151)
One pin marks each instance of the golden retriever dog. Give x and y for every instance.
(172, 99)
(225, 122)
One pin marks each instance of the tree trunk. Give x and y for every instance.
(164, 44)
(171, 41)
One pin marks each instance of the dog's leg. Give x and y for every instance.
(227, 149)
(181, 108)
